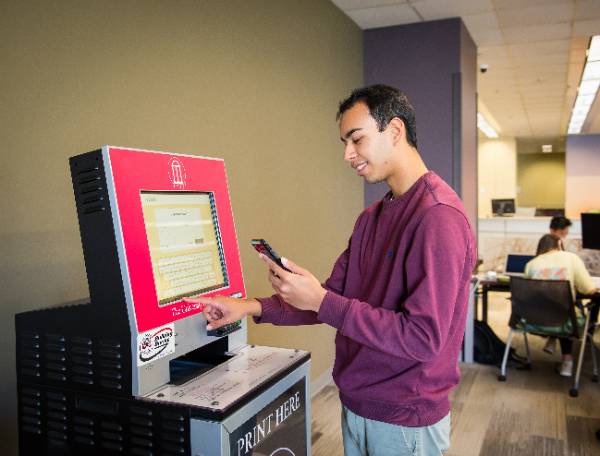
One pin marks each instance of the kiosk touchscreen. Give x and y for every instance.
(133, 369)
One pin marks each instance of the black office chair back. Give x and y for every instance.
(542, 302)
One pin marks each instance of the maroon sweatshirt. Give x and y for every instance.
(398, 299)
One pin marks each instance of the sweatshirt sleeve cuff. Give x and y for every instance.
(271, 310)
(333, 310)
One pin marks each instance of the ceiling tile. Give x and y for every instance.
(545, 32)
(495, 67)
(481, 21)
(540, 70)
(509, 4)
(542, 81)
(440, 9)
(543, 100)
(524, 62)
(488, 37)
(587, 9)
(586, 28)
(385, 16)
(346, 5)
(532, 90)
(539, 48)
(497, 64)
(555, 109)
(536, 15)
(493, 51)
(484, 29)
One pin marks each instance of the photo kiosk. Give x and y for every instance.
(133, 369)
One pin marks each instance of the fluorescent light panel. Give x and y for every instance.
(594, 50)
(485, 127)
(592, 71)
(588, 87)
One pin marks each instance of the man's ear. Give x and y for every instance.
(398, 130)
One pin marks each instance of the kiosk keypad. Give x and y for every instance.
(224, 330)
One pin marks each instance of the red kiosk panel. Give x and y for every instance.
(177, 233)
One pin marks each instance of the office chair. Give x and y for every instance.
(546, 308)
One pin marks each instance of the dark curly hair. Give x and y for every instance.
(560, 222)
(384, 103)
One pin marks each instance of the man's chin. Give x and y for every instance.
(372, 180)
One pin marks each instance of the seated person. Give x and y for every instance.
(553, 263)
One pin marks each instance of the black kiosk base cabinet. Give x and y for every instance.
(90, 383)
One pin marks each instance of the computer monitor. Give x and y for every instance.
(590, 231)
(504, 206)
(549, 212)
(515, 263)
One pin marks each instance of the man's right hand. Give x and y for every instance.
(221, 310)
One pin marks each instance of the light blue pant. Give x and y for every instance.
(364, 437)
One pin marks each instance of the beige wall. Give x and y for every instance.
(541, 180)
(256, 83)
(497, 171)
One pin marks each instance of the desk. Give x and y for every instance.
(488, 285)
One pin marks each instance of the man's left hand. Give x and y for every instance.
(298, 288)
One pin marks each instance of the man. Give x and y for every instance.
(397, 295)
(559, 226)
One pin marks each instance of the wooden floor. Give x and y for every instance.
(530, 414)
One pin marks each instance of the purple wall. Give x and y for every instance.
(583, 155)
(582, 174)
(434, 63)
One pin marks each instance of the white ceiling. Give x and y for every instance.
(535, 51)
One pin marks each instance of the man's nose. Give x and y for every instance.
(349, 152)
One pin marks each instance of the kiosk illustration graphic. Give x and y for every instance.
(133, 370)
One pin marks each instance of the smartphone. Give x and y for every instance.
(262, 246)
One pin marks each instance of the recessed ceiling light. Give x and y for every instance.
(485, 127)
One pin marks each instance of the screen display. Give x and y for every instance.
(503, 206)
(517, 263)
(185, 244)
(590, 231)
